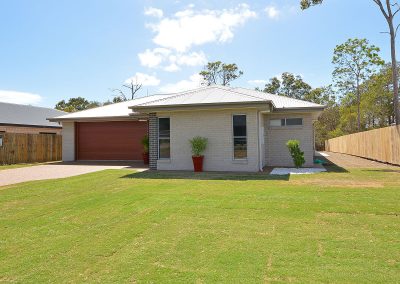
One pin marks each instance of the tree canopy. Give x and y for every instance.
(288, 85)
(304, 4)
(220, 73)
(355, 61)
(389, 10)
(76, 104)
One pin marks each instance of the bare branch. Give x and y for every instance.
(134, 87)
(398, 9)
(397, 28)
(119, 91)
(379, 3)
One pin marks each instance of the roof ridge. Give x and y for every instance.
(176, 95)
(231, 89)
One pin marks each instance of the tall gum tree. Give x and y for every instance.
(355, 61)
(389, 10)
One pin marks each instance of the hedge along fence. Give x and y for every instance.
(381, 144)
(29, 148)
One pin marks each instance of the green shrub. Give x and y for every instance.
(145, 143)
(296, 153)
(199, 145)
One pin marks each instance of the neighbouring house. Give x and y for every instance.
(26, 119)
(20, 126)
(246, 129)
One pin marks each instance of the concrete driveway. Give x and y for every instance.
(62, 170)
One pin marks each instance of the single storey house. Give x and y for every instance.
(17, 118)
(246, 129)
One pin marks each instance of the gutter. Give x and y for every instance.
(301, 109)
(30, 125)
(99, 118)
(197, 105)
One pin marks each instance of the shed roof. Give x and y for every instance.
(17, 114)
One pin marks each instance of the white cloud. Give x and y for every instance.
(153, 58)
(172, 68)
(153, 12)
(194, 82)
(192, 59)
(19, 97)
(176, 35)
(188, 28)
(272, 12)
(144, 79)
(257, 82)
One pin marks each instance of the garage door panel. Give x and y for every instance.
(117, 140)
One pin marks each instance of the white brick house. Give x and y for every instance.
(246, 129)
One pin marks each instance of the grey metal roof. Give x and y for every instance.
(27, 115)
(119, 110)
(201, 96)
(225, 95)
(280, 102)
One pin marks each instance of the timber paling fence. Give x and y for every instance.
(30, 148)
(381, 144)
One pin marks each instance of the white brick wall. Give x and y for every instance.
(217, 127)
(276, 153)
(68, 141)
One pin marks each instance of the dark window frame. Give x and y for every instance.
(239, 137)
(164, 138)
(284, 122)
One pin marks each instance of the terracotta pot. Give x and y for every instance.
(145, 158)
(198, 163)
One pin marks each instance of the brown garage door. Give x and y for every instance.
(114, 140)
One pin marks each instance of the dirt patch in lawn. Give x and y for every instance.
(344, 183)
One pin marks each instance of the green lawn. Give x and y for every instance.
(14, 166)
(115, 226)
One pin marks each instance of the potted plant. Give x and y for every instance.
(145, 154)
(199, 145)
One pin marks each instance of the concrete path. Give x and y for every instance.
(62, 170)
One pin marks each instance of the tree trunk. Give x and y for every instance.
(358, 107)
(395, 75)
(389, 15)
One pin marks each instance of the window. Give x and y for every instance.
(277, 122)
(164, 149)
(1, 140)
(286, 122)
(239, 137)
(294, 121)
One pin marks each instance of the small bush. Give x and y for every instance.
(145, 143)
(199, 145)
(296, 153)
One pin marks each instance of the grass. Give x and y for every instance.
(115, 226)
(14, 166)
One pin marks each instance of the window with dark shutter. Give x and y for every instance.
(239, 137)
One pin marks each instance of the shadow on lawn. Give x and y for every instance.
(204, 176)
(330, 166)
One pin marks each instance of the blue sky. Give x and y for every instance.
(54, 50)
